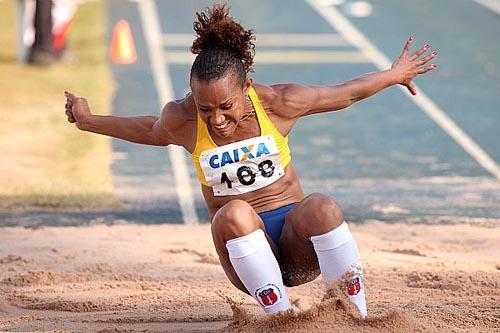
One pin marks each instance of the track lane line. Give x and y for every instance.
(152, 33)
(267, 39)
(284, 57)
(353, 35)
(493, 5)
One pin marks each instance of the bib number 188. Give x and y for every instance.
(246, 176)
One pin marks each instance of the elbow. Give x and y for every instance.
(159, 140)
(160, 143)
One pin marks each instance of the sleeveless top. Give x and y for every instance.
(245, 165)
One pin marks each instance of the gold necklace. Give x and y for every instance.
(247, 116)
(251, 113)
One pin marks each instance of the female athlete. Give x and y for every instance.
(266, 232)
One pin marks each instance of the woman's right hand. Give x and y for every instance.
(77, 110)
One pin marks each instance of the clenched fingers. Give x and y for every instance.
(69, 111)
(71, 117)
(70, 96)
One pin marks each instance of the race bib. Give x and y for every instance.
(242, 166)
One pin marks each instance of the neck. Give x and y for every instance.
(249, 110)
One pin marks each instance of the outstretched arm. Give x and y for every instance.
(149, 130)
(314, 99)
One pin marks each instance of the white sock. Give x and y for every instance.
(338, 254)
(257, 267)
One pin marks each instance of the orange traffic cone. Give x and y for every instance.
(122, 50)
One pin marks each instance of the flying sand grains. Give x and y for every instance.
(334, 312)
(240, 316)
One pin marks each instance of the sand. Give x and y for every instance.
(166, 278)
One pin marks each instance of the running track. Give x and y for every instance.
(431, 159)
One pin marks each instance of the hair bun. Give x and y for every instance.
(216, 29)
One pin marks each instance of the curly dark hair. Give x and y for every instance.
(222, 44)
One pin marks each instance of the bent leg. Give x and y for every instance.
(232, 221)
(316, 214)
(246, 255)
(315, 238)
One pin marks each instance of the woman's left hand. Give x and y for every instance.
(406, 67)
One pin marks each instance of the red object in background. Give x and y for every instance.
(59, 37)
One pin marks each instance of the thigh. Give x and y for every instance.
(299, 263)
(316, 214)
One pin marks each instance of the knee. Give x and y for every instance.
(319, 214)
(235, 219)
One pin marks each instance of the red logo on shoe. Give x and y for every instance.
(354, 286)
(268, 295)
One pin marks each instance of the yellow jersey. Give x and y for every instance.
(205, 143)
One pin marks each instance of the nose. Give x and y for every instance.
(219, 118)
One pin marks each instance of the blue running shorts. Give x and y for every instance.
(274, 220)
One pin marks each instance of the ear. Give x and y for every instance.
(247, 85)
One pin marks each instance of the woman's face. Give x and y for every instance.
(220, 103)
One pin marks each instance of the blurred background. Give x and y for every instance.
(431, 158)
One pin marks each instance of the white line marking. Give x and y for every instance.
(493, 5)
(285, 57)
(274, 40)
(119, 155)
(351, 34)
(152, 31)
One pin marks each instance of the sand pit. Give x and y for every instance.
(166, 278)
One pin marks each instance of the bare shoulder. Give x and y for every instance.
(288, 100)
(266, 93)
(178, 118)
(177, 113)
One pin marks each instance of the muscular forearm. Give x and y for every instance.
(370, 84)
(338, 97)
(133, 129)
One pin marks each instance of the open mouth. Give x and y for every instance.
(222, 127)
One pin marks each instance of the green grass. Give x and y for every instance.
(45, 161)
